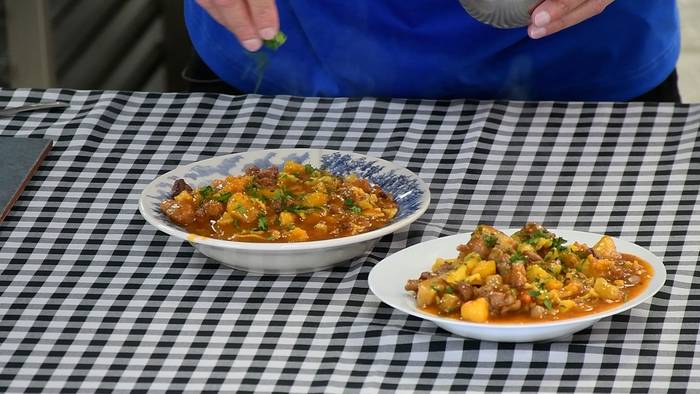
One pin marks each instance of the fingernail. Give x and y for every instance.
(252, 45)
(537, 32)
(268, 33)
(542, 19)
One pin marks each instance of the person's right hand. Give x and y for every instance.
(251, 21)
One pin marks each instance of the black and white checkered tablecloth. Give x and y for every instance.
(91, 296)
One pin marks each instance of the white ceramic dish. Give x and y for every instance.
(388, 277)
(410, 192)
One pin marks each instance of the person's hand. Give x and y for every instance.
(554, 15)
(251, 21)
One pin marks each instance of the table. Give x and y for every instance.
(92, 297)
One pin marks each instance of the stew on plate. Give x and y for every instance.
(531, 276)
(297, 203)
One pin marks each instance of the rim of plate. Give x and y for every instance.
(655, 284)
(174, 231)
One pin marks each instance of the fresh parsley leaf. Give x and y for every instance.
(223, 197)
(308, 168)
(534, 237)
(262, 222)
(547, 303)
(558, 243)
(241, 209)
(349, 202)
(449, 290)
(356, 210)
(299, 208)
(534, 293)
(277, 41)
(517, 257)
(490, 240)
(206, 192)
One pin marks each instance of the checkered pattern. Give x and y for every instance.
(92, 297)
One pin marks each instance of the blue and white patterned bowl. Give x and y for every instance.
(410, 192)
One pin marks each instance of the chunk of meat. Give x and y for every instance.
(475, 245)
(412, 285)
(267, 177)
(465, 290)
(180, 213)
(517, 276)
(180, 186)
(212, 210)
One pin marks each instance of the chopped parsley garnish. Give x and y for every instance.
(206, 192)
(298, 208)
(262, 222)
(449, 290)
(534, 293)
(308, 168)
(352, 207)
(534, 237)
(558, 243)
(223, 197)
(547, 303)
(241, 209)
(517, 257)
(490, 240)
(282, 195)
(277, 41)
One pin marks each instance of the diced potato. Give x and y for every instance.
(605, 248)
(607, 291)
(449, 303)
(566, 305)
(475, 311)
(474, 279)
(457, 275)
(364, 204)
(553, 284)
(426, 295)
(297, 234)
(287, 218)
(598, 267)
(571, 289)
(535, 272)
(316, 199)
(321, 226)
(484, 268)
(243, 208)
(236, 184)
(569, 259)
(293, 167)
(184, 196)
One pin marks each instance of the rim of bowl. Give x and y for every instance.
(174, 231)
(659, 279)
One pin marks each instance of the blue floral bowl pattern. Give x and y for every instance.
(409, 191)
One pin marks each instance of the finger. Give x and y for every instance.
(585, 11)
(211, 10)
(264, 13)
(551, 10)
(237, 19)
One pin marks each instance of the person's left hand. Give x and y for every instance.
(554, 15)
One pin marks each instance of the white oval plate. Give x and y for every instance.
(388, 277)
